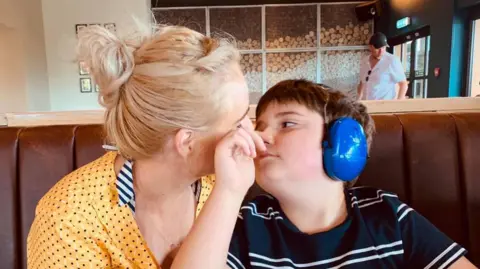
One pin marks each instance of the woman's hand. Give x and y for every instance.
(206, 246)
(234, 167)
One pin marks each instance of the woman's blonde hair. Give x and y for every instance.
(154, 83)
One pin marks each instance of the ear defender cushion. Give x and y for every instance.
(345, 150)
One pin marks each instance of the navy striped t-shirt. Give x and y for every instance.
(379, 232)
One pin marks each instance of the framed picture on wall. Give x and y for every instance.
(83, 70)
(85, 85)
(79, 27)
(97, 88)
(110, 27)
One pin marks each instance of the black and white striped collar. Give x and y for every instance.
(124, 184)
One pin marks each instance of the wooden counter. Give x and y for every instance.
(374, 107)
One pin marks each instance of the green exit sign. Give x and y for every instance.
(404, 22)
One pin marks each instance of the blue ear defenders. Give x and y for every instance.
(345, 149)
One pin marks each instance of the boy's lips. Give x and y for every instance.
(266, 154)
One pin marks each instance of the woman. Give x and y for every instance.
(175, 100)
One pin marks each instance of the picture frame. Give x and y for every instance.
(85, 85)
(79, 27)
(96, 88)
(82, 69)
(112, 27)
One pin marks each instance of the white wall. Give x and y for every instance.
(59, 19)
(12, 71)
(23, 66)
(38, 96)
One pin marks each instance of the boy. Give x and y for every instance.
(313, 221)
(310, 219)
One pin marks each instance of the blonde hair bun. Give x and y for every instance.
(153, 83)
(109, 60)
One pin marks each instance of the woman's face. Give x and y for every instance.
(238, 104)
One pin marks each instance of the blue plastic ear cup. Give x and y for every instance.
(345, 149)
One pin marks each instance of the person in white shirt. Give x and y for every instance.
(380, 72)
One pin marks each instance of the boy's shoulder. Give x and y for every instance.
(366, 199)
(369, 197)
(371, 205)
(376, 203)
(263, 206)
(366, 192)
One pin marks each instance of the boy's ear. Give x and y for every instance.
(184, 142)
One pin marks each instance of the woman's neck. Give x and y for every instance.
(158, 185)
(317, 208)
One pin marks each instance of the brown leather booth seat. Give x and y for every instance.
(429, 159)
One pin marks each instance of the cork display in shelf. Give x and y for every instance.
(251, 64)
(292, 26)
(322, 42)
(340, 27)
(291, 65)
(245, 24)
(340, 69)
(194, 18)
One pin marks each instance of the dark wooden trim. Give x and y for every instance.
(422, 32)
(474, 12)
(467, 3)
(183, 3)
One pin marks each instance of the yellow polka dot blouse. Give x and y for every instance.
(82, 222)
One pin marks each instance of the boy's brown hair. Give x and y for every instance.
(330, 104)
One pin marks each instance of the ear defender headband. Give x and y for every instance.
(345, 149)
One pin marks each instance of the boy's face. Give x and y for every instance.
(293, 135)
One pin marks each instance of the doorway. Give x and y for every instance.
(474, 72)
(413, 50)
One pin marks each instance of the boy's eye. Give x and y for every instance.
(287, 124)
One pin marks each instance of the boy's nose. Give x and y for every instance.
(266, 136)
